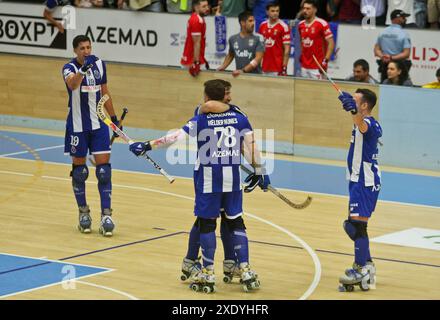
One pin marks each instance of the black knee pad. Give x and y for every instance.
(235, 224)
(206, 225)
(104, 173)
(355, 229)
(79, 173)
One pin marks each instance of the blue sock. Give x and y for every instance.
(79, 189)
(208, 242)
(227, 239)
(241, 246)
(104, 176)
(361, 251)
(193, 243)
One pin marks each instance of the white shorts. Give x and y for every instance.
(311, 73)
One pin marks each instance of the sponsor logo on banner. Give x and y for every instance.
(122, 36)
(426, 58)
(30, 31)
(220, 33)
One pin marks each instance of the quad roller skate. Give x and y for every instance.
(85, 220)
(357, 276)
(249, 278)
(190, 268)
(230, 271)
(371, 268)
(107, 224)
(204, 281)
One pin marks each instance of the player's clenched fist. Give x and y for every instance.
(139, 148)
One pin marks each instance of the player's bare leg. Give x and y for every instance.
(103, 174)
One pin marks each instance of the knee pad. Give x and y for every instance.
(104, 173)
(235, 224)
(355, 229)
(79, 173)
(206, 225)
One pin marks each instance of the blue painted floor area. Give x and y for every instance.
(19, 274)
(398, 187)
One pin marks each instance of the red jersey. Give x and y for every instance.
(196, 26)
(275, 37)
(313, 41)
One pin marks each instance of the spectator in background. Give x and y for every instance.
(147, 5)
(179, 6)
(433, 13)
(420, 13)
(435, 84)
(361, 72)
(316, 39)
(349, 11)
(51, 5)
(245, 47)
(393, 44)
(398, 74)
(276, 35)
(194, 51)
(405, 6)
(259, 10)
(376, 9)
(232, 8)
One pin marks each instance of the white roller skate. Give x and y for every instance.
(107, 224)
(357, 276)
(371, 270)
(85, 220)
(230, 271)
(190, 268)
(249, 278)
(204, 281)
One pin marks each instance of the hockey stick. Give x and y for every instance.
(334, 84)
(302, 205)
(124, 113)
(124, 136)
(326, 74)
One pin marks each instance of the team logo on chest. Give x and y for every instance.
(96, 74)
(251, 42)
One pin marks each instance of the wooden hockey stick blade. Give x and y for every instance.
(275, 191)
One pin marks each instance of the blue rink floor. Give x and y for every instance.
(309, 177)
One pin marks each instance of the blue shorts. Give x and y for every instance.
(208, 205)
(78, 143)
(362, 200)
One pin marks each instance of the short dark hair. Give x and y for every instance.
(215, 89)
(368, 96)
(272, 4)
(242, 17)
(437, 74)
(362, 63)
(197, 2)
(78, 39)
(312, 2)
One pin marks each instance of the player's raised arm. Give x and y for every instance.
(253, 156)
(349, 104)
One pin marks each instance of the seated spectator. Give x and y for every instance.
(147, 5)
(349, 11)
(420, 13)
(398, 74)
(51, 5)
(361, 72)
(374, 9)
(179, 6)
(433, 13)
(232, 8)
(435, 84)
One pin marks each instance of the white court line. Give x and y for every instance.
(129, 296)
(186, 178)
(27, 151)
(315, 258)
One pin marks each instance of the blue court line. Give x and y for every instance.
(122, 245)
(307, 177)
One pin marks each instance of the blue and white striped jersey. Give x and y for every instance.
(82, 101)
(362, 163)
(219, 142)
